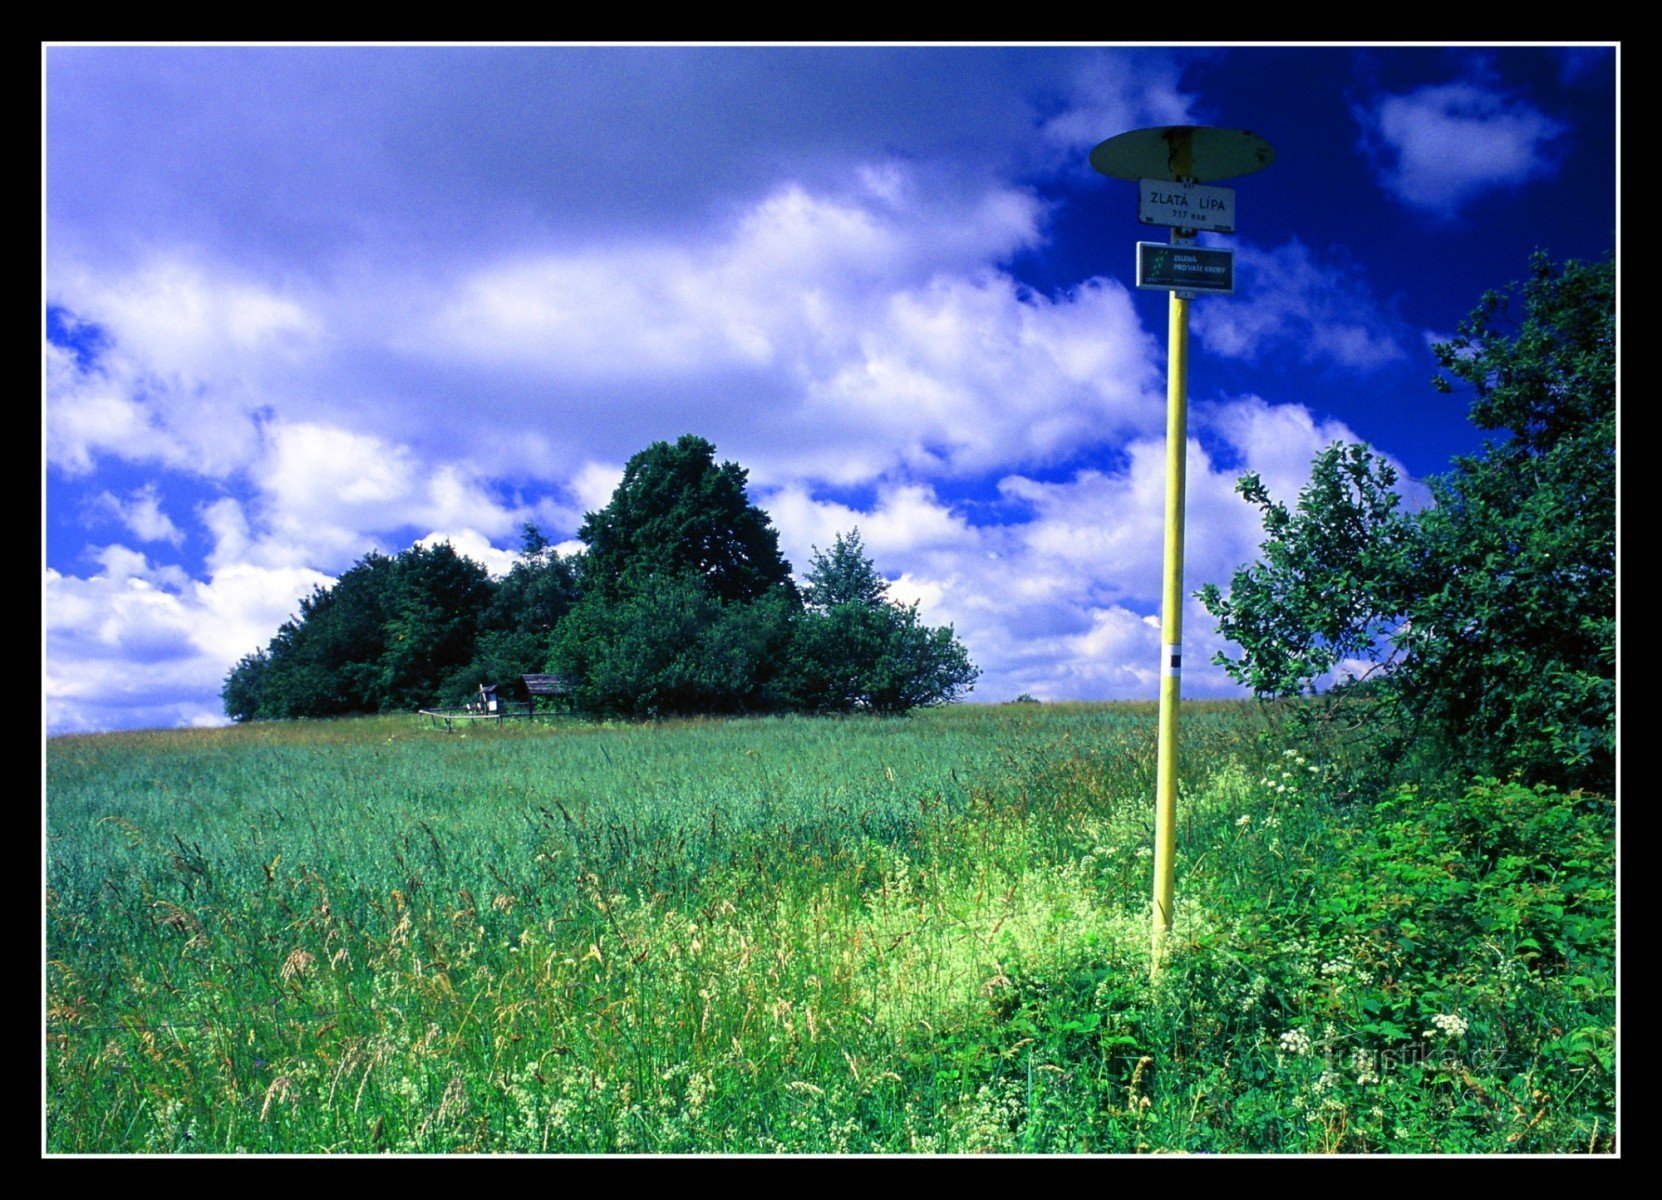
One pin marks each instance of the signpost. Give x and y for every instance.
(1188, 206)
(1168, 163)
(1185, 268)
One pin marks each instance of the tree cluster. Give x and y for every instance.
(680, 604)
(1485, 623)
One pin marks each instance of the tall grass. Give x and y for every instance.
(770, 935)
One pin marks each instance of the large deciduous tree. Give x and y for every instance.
(383, 637)
(1493, 609)
(1514, 623)
(687, 603)
(679, 512)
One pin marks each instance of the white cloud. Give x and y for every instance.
(142, 514)
(1061, 598)
(134, 644)
(194, 316)
(740, 298)
(907, 522)
(99, 410)
(594, 483)
(866, 315)
(324, 493)
(1289, 302)
(195, 353)
(1111, 93)
(1440, 147)
(866, 312)
(470, 543)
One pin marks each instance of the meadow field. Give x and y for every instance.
(813, 936)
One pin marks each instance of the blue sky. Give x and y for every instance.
(303, 302)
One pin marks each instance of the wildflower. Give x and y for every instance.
(1295, 1041)
(1244, 820)
(1450, 1025)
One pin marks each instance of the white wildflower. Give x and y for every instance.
(1295, 1041)
(1450, 1025)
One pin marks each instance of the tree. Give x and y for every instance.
(326, 661)
(854, 649)
(1330, 585)
(245, 686)
(431, 630)
(1492, 610)
(686, 600)
(383, 637)
(677, 511)
(1514, 631)
(844, 575)
(516, 627)
(670, 647)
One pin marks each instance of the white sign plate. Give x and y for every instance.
(1186, 206)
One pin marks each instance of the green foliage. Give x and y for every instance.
(433, 625)
(516, 628)
(854, 650)
(1493, 610)
(686, 601)
(844, 575)
(669, 646)
(244, 688)
(1514, 631)
(682, 604)
(1332, 582)
(678, 512)
(781, 935)
(381, 639)
(327, 660)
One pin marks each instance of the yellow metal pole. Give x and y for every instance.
(1171, 599)
(1171, 619)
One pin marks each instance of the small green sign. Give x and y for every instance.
(1165, 267)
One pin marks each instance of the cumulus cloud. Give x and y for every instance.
(192, 356)
(325, 495)
(1439, 148)
(470, 543)
(868, 312)
(141, 513)
(1061, 597)
(134, 644)
(102, 409)
(1292, 302)
(869, 316)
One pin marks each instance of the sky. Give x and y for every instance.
(303, 302)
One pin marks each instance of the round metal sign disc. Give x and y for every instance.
(1158, 153)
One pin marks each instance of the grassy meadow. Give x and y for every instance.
(796, 935)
